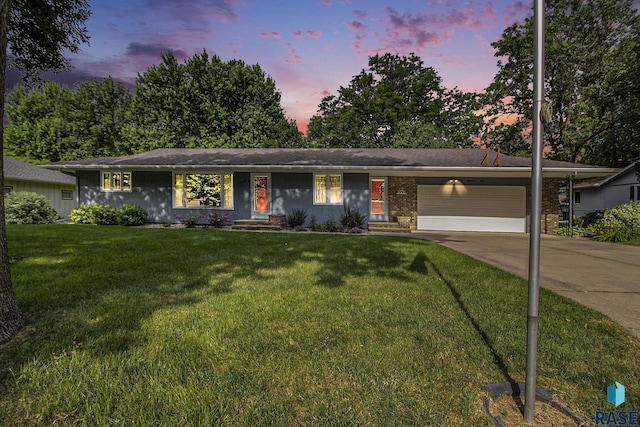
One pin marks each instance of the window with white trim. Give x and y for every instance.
(327, 189)
(202, 190)
(115, 181)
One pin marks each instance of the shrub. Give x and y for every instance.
(352, 218)
(97, 214)
(218, 220)
(621, 223)
(296, 217)
(131, 215)
(103, 215)
(331, 226)
(314, 223)
(590, 218)
(81, 214)
(24, 207)
(188, 221)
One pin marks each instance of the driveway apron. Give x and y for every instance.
(602, 276)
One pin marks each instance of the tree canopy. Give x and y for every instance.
(207, 103)
(396, 102)
(592, 63)
(54, 123)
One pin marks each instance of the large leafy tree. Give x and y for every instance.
(37, 32)
(396, 102)
(207, 103)
(56, 123)
(591, 60)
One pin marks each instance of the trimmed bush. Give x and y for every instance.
(131, 215)
(621, 223)
(106, 215)
(25, 207)
(296, 217)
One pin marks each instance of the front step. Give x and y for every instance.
(387, 227)
(255, 225)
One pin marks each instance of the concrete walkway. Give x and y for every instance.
(603, 276)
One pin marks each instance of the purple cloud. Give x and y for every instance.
(360, 14)
(356, 26)
(153, 51)
(271, 35)
(314, 34)
(197, 12)
(297, 34)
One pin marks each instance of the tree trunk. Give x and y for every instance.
(10, 317)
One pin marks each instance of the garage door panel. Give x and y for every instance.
(469, 208)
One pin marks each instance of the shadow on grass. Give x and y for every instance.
(421, 264)
(98, 284)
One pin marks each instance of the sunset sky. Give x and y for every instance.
(310, 48)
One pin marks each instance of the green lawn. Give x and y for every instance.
(169, 327)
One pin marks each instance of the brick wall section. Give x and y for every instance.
(549, 206)
(403, 198)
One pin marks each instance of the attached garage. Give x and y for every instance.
(457, 207)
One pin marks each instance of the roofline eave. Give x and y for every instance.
(463, 171)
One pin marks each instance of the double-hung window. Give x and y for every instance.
(327, 189)
(115, 181)
(202, 190)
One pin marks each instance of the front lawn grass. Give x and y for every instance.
(144, 326)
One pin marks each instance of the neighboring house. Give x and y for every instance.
(58, 187)
(598, 194)
(427, 189)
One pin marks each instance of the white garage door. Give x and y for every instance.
(472, 208)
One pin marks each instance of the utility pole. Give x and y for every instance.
(536, 210)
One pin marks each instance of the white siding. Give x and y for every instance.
(53, 192)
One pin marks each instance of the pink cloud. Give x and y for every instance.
(314, 34)
(361, 14)
(293, 58)
(321, 94)
(356, 26)
(271, 35)
(326, 2)
(297, 34)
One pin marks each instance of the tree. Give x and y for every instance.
(55, 123)
(591, 76)
(207, 103)
(397, 102)
(37, 32)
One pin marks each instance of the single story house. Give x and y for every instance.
(429, 189)
(58, 188)
(600, 193)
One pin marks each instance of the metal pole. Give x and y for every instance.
(571, 205)
(536, 211)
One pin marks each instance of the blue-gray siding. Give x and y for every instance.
(153, 192)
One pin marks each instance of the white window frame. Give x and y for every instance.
(67, 193)
(113, 188)
(327, 200)
(223, 196)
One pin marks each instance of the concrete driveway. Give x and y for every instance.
(603, 276)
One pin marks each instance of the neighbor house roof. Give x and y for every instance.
(603, 181)
(21, 171)
(420, 162)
